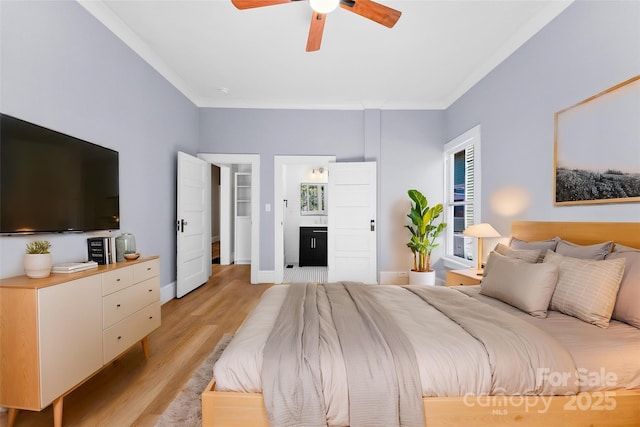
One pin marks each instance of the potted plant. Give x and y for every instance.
(424, 232)
(37, 260)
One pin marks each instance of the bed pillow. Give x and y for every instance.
(627, 308)
(597, 251)
(528, 255)
(542, 245)
(521, 284)
(586, 289)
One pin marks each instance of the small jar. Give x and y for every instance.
(125, 244)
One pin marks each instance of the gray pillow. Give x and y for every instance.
(521, 284)
(597, 251)
(627, 308)
(529, 255)
(586, 289)
(542, 245)
(622, 248)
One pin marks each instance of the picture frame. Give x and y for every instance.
(597, 148)
(313, 198)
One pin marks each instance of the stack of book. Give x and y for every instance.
(73, 267)
(101, 250)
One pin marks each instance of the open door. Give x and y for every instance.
(193, 224)
(352, 242)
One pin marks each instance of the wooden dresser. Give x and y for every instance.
(58, 331)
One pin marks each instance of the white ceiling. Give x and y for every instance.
(219, 56)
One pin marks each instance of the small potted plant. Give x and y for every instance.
(37, 260)
(424, 232)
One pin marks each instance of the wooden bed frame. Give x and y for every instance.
(614, 408)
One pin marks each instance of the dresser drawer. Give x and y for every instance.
(113, 281)
(125, 302)
(124, 334)
(146, 270)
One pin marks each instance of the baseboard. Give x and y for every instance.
(402, 278)
(394, 277)
(167, 292)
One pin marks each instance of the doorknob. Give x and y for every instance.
(181, 225)
(373, 225)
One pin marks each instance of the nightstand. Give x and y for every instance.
(465, 277)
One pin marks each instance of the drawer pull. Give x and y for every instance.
(148, 268)
(117, 280)
(119, 337)
(150, 290)
(118, 305)
(150, 317)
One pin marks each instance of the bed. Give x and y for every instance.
(599, 399)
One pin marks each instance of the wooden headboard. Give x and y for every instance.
(582, 233)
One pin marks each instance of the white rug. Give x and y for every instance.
(186, 408)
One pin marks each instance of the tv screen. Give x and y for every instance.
(52, 182)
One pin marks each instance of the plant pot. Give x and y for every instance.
(37, 266)
(422, 278)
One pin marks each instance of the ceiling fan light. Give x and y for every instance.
(324, 6)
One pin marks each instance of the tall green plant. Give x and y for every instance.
(423, 230)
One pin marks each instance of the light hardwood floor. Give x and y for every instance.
(133, 391)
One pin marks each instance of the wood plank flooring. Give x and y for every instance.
(133, 391)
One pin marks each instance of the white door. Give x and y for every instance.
(352, 222)
(194, 223)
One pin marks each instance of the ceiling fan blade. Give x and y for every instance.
(371, 10)
(315, 31)
(250, 4)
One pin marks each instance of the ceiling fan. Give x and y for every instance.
(367, 8)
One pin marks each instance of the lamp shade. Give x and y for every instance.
(481, 230)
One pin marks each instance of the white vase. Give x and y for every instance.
(37, 266)
(422, 278)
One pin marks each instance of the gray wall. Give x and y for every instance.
(590, 47)
(64, 70)
(406, 144)
(283, 132)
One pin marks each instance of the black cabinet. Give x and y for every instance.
(313, 246)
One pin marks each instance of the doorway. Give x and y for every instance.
(291, 171)
(227, 164)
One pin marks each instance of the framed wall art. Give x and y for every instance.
(597, 148)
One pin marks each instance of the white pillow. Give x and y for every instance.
(586, 289)
(527, 286)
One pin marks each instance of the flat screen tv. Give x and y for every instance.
(51, 182)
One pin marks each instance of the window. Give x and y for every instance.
(462, 195)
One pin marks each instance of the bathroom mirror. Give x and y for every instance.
(313, 198)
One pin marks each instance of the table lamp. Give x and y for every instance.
(480, 231)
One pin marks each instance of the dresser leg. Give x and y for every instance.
(57, 412)
(13, 413)
(145, 346)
